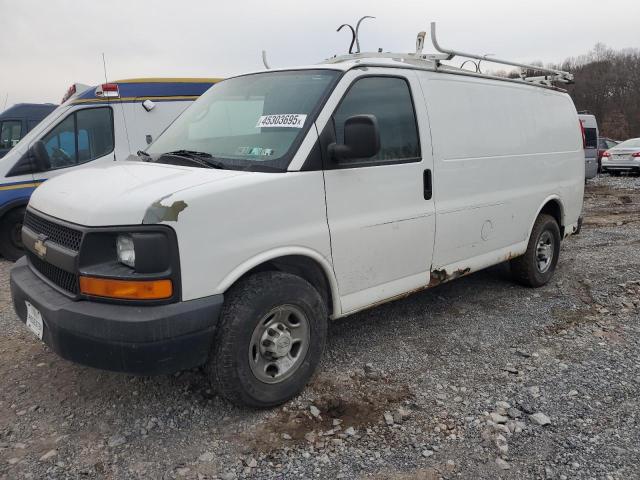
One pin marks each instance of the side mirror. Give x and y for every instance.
(40, 156)
(361, 139)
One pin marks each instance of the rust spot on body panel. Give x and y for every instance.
(441, 276)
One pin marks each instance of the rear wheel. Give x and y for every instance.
(272, 333)
(11, 234)
(535, 268)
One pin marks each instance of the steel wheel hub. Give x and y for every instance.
(279, 344)
(544, 252)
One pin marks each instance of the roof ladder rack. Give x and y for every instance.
(550, 75)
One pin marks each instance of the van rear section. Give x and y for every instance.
(93, 126)
(591, 134)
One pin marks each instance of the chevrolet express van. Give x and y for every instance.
(285, 198)
(94, 125)
(20, 119)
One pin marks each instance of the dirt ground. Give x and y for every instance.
(477, 378)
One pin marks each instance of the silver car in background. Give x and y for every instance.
(624, 157)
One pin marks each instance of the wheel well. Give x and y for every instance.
(10, 208)
(553, 208)
(304, 267)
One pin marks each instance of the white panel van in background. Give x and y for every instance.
(283, 198)
(94, 124)
(591, 134)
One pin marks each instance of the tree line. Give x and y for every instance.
(607, 84)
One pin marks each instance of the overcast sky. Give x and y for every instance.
(47, 45)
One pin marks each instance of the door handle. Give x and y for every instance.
(428, 184)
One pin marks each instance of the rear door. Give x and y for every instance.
(381, 217)
(590, 146)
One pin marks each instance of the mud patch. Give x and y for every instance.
(419, 474)
(356, 401)
(567, 318)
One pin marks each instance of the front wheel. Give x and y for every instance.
(535, 268)
(272, 332)
(11, 235)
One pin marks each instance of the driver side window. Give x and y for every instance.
(81, 137)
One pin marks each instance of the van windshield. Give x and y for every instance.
(254, 121)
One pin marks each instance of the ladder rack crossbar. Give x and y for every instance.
(434, 61)
(555, 75)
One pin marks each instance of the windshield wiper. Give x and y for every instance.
(201, 158)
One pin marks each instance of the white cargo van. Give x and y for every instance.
(283, 198)
(94, 124)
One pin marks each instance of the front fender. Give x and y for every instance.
(275, 253)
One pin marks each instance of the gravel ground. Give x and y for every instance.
(477, 378)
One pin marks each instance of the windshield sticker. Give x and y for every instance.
(255, 151)
(285, 120)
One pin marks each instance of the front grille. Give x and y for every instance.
(65, 280)
(60, 234)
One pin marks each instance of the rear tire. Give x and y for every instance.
(272, 333)
(535, 268)
(11, 234)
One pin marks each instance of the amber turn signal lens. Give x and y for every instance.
(126, 289)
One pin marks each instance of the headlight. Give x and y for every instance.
(126, 250)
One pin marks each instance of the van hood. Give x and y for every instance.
(122, 193)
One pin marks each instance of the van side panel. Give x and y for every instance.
(500, 150)
(141, 123)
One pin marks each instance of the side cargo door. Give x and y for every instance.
(380, 210)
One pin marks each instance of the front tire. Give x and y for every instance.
(11, 234)
(272, 333)
(535, 268)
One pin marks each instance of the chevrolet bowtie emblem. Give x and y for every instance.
(40, 247)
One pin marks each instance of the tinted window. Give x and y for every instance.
(389, 100)
(82, 136)
(591, 137)
(10, 133)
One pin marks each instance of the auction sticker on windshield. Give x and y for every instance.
(286, 120)
(34, 320)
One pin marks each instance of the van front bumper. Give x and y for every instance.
(135, 339)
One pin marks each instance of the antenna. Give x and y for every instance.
(353, 35)
(264, 60)
(104, 66)
(358, 29)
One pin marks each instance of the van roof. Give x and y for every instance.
(363, 60)
(588, 120)
(156, 89)
(27, 109)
